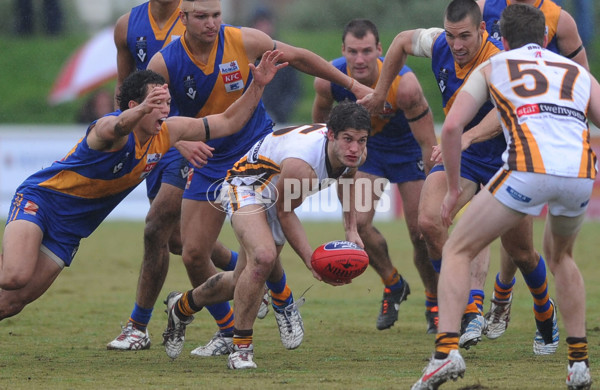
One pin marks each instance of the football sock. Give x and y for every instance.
(281, 294)
(223, 315)
(242, 337)
(232, 262)
(538, 286)
(471, 306)
(478, 298)
(140, 317)
(283, 299)
(444, 343)
(502, 291)
(185, 306)
(437, 264)
(578, 350)
(394, 282)
(430, 300)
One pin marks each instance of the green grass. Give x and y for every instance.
(58, 342)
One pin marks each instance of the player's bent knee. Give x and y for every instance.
(13, 282)
(264, 259)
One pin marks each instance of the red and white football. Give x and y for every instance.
(339, 260)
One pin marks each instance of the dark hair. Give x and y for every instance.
(349, 114)
(521, 24)
(458, 10)
(135, 87)
(359, 28)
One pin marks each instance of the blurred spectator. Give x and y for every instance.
(97, 105)
(282, 94)
(51, 13)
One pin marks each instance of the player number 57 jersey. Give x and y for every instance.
(542, 100)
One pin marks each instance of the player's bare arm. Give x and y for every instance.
(568, 40)
(347, 189)
(233, 119)
(411, 42)
(295, 172)
(323, 100)
(256, 42)
(158, 65)
(125, 62)
(111, 132)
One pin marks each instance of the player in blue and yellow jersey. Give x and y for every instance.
(455, 51)
(401, 142)
(549, 162)
(564, 39)
(56, 207)
(139, 34)
(257, 196)
(206, 71)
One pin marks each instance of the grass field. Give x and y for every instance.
(58, 342)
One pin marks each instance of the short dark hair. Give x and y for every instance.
(458, 10)
(349, 114)
(359, 28)
(135, 87)
(521, 24)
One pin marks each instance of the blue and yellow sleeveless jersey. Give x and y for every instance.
(199, 89)
(86, 185)
(390, 129)
(145, 38)
(492, 11)
(450, 78)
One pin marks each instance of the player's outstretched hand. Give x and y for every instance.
(267, 68)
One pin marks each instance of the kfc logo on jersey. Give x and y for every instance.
(231, 76)
(495, 33)
(190, 86)
(141, 48)
(151, 160)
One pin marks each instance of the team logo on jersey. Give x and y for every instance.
(31, 208)
(387, 112)
(190, 86)
(141, 48)
(119, 166)
(495, 33)
(151, 160)
(442, 78)
(231, 76)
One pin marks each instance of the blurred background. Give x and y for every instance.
(58, 65)
(40, 36)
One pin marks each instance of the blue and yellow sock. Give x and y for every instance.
(232, 262)
(393, 282)
(478, 298)
(503, 291)
(538, 286)
(281, 294)
(140, 317)
(223, 315)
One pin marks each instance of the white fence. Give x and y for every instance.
(25, 149)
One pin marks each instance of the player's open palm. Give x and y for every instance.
(268, 67)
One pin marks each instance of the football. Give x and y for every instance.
(339, 260)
